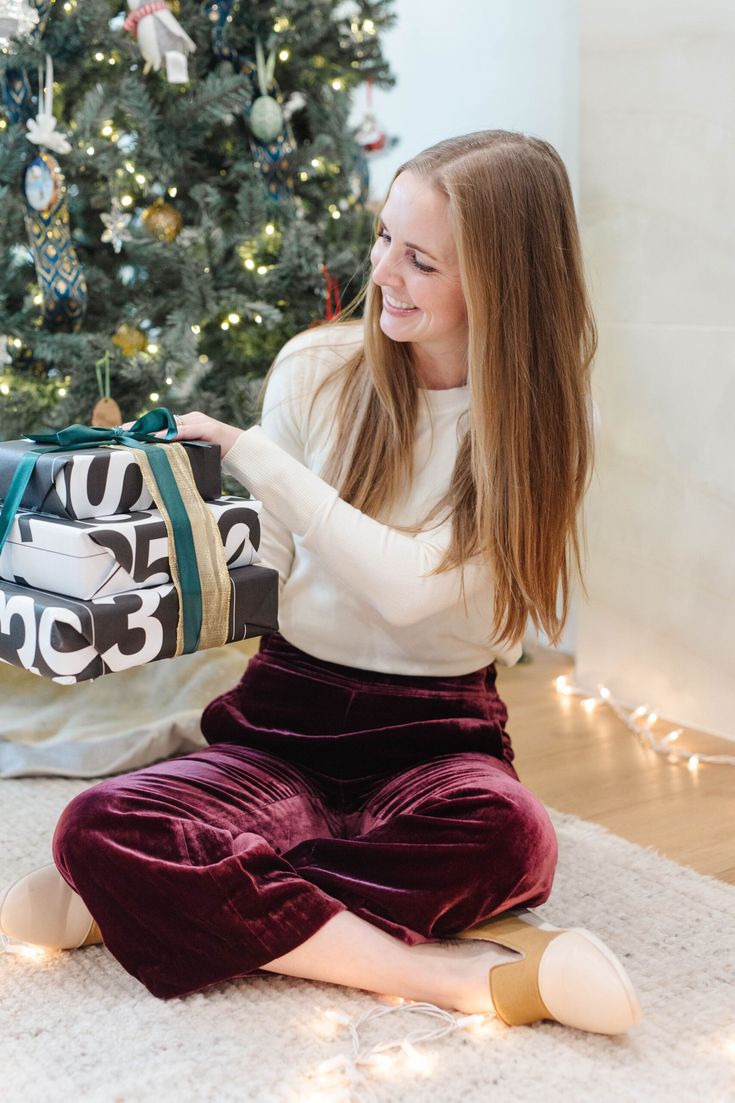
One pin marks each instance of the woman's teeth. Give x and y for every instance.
(397, 303)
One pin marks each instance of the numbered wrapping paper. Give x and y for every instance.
(98, 482)
(71, 641)
(104, 556)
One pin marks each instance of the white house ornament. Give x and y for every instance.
(116, 226)
(17, 18)
(160, 37)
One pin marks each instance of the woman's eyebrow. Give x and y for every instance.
(411, 245)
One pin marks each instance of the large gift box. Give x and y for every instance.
(100, 557)
(97, 482)
(72, 641)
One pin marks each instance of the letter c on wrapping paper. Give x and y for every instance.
(62, 662)
(20, 606)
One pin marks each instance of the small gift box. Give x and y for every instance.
(104, 556)
(97, 482)
(73, 641)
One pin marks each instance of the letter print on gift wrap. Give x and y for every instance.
(60, 638)
(92, 485)
(108, 555)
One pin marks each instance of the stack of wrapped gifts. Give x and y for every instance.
(95, 577)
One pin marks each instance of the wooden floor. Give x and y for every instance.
(591, 765)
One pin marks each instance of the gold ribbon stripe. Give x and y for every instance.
(211, 562)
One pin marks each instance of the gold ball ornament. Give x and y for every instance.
(162, 221)
(129, 339)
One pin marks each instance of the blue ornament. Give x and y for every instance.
(60, 275)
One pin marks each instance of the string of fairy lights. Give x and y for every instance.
(641, 721)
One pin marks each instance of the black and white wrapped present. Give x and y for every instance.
(98, 482)
(103, 556)
(73, 641)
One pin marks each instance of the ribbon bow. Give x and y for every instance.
(42, 130)
(145, 430)
(141, 435)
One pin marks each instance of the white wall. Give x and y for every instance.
(476, 65)
(657, 186)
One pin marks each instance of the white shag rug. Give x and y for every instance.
(75, 1026)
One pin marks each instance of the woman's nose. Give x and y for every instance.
(382, 266)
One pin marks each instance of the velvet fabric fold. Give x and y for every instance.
(322, 788)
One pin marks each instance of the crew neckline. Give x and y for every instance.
(447, 397)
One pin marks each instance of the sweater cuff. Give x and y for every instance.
(290, 491)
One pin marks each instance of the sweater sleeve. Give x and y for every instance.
(386, 568)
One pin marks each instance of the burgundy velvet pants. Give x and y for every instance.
(323, 788)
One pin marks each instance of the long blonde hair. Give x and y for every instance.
(525, 462)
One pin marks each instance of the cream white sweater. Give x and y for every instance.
(354, 590)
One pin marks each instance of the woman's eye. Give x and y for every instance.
(421, 267)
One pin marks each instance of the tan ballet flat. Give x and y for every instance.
(566, 975)
(42, 910)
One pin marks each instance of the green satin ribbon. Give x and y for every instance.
(141, 434)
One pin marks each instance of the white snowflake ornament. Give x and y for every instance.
(116, 226)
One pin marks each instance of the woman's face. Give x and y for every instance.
(415, 264)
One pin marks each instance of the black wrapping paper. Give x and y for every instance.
(73, 641)
(97, 482)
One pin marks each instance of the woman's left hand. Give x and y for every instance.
(198, 426)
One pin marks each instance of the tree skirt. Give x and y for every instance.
(74, 1025)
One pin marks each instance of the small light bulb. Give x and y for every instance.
(639, 712)
(224, 325)
(203, 359)
(250, 263)
(173, 192)
(672, 736)
(234, 318)
(90, 151)
(106, 131)
(4, 388)
(126, 201)
(604, 693)
(99, 56)
(152, 349)
(337, 85)
(62, 392)
(270, 228)
(196, 329)
(258, 318)
(154, 396)
(561, 681)
(262, 269)
(567, 691)
(336, 214)
(284, 55)
(314, 163)
(693, 763)
(140, 178)
(169, 380)
(652, 717)
(589, 704)
(38, 299)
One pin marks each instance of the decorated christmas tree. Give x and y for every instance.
(181, 193)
